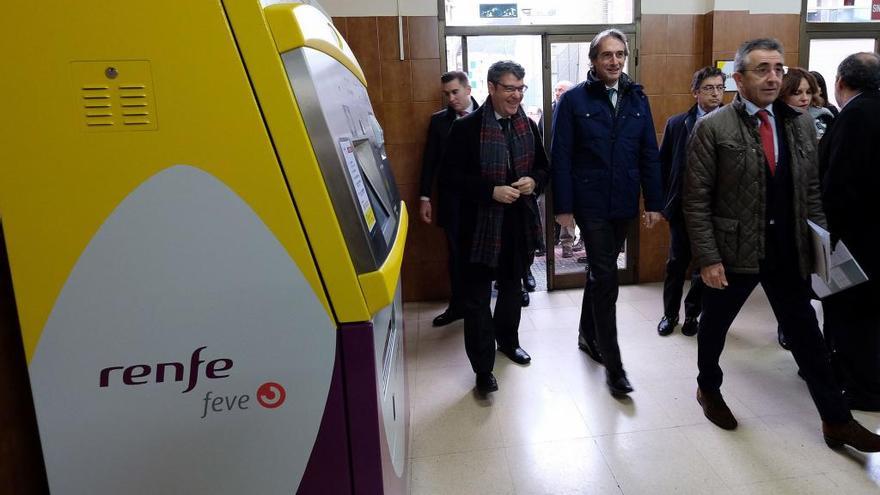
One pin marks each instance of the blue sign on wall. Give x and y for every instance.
(498, 10)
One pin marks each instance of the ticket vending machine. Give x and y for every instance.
(205, 242)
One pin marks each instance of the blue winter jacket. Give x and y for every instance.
(600, 155)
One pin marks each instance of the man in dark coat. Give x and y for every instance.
(499, 166)
(708, 89)
(604, 148)
(848, 157)
(457, 90)
(751, 184)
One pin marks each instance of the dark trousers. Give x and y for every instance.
(852, 331)
(456, 304)
(676, 268)
(482, 328)
(603, 240)
(789, 296)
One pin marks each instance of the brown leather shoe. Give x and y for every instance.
(716, 410)
(853, 434)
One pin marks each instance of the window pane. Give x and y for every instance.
(483, 51)
(841, 11)
(528, 12)
(826, 55)
(453, 53)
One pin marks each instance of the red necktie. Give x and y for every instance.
(767, 140)
(462, 114)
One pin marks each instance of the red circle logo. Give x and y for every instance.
(271, 395)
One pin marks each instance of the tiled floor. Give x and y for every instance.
(552, 428)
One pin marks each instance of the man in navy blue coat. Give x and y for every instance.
(604, 149)
(708, 89)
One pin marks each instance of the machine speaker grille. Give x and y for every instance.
(115, 95)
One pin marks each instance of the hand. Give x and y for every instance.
(505, 194)
(565, 219)
(525, 185)
(652, 218)
(713, 276)
(425, 211)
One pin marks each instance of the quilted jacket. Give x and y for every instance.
(725, 190)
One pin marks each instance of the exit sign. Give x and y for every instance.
(875, 10)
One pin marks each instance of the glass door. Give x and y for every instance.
(567, 60)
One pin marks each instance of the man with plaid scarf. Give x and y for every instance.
(499, 166)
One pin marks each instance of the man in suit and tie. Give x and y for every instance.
(848, 157)
(457, 90)
(499, 166)
(604, 154)
(707, 87)
(751, 184)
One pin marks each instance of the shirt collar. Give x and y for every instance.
(752, 109)
(498, 116)
(470, 108)
(615, 86)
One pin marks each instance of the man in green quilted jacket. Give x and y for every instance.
(750, 187)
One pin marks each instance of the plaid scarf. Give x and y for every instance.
(494, 153)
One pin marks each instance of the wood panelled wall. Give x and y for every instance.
(406, 92)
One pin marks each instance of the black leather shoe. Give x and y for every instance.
(853, 434)
(716, 410)
(529, 283)
(590, 348)
(446, 318)
(783, 341)
(582, 259)
(667, 325)
(486, 383)
(690, 327)
(525, 299)
(517, 355)
(618, 386)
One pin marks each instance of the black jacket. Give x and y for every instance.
(673, 157)
(432, 170)
(848, 155)
(463, 163)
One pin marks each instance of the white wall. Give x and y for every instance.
(358, 8)
(355, 8)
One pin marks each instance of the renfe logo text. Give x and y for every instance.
(140, 374)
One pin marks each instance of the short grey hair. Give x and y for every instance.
(769, 44)
(860, 71)
(614, 33)
(502, 67)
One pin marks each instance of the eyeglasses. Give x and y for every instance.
(509, 90)
(764, 70)
(712, 89)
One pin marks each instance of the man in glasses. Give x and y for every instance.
(499, 167)
(456, 90)
(708, 89)
(751, 184)
(604, 150)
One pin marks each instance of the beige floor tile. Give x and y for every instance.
(482, 472)
(863, 483)
(443, 352)
(451, 424)
(556, 318)
(802, 433)
(656, 462)
(532, 409)
(818, 484)
(750, 454)
(567, 467)
(544, 300)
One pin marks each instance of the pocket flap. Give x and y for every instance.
(725, 224)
